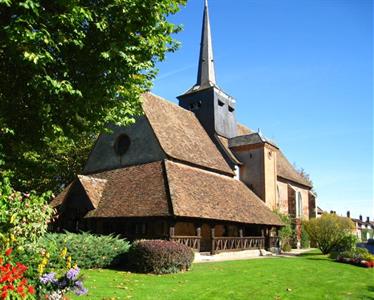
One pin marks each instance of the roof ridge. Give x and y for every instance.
(171, 103)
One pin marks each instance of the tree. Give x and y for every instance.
(328, 231)
(68, 68)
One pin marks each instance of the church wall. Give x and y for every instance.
(270, 165)
(282, 197)
(144, 148)
(252, 169)
(312, 206)
(305, 197)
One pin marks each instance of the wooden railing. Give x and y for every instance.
(221, 244)
(190, 241)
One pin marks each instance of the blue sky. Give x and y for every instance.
(302, 72)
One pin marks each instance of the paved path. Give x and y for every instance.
(245, 254)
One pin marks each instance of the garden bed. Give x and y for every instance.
(356, 262)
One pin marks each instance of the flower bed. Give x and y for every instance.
(356, 262)
(358, 257)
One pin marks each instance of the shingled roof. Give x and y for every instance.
(137, 191)
(181, 135)
(287, 171)
(193, 192)
(203, 194)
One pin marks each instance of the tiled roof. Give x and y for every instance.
(56, 201)
(203, 194)
(181, 135)
(287, 171)
(225, 144)
(136, 191)
(140, 191)
(243, 130)
(94, 188)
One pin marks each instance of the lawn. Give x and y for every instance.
(311, 276)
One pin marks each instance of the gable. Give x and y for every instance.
(143, 148)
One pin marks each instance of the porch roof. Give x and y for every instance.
(171, 189)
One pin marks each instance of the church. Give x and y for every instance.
(190, 173)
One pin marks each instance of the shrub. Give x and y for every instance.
(87, 250)
(305, 241)
(328, 231)
(24, 217)
(347, 243)
(286, 233)
(160, 257)
(358, 254)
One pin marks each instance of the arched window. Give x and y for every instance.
(299, 205)
(278, 197)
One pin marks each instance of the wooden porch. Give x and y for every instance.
(218, 244)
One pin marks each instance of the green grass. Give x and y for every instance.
(311, 276)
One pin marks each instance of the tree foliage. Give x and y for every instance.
(328, 231)
(68, 68)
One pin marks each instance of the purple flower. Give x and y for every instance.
(72, 274)
(80, 291)
(79, 284)
(48, 278)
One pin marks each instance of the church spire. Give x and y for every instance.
(206, 76)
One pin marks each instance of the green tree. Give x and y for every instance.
(328, 231)
(68, 68)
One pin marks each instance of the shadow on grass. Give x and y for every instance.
(371, 290)
(310, 254)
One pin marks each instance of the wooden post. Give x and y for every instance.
(198, 234)
(241, 240)
(171, 230)
(212, 233)
(198, 230)
(267, 239)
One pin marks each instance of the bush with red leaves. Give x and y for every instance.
(159, 257)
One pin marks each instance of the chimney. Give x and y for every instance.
(360, 217)
(368, 219)
(348, 214)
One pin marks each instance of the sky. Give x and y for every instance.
(302, 73)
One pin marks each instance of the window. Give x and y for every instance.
(278, 197)
(220, 103)
(299, 205)
(122, 144)
(196, 105)
(231, 109)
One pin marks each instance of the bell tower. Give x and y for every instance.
(212, 106)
